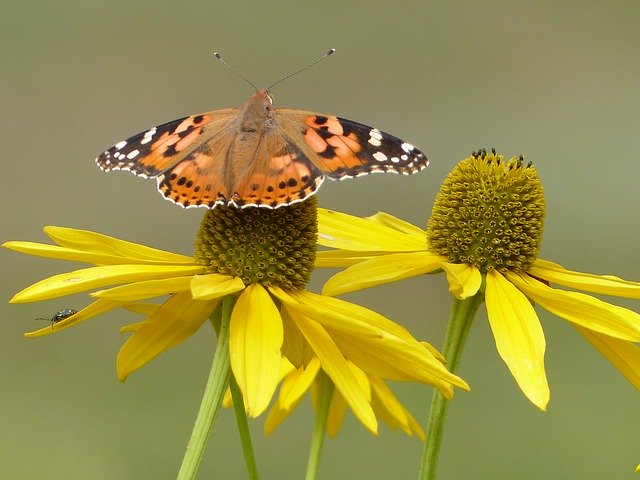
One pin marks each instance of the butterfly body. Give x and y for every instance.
(257, 155)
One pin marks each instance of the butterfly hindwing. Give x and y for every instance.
(281, 174)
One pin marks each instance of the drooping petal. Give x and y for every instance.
(336, 413)
(339, 230)
(381, 270)
(386, 348)
(95, 277)
(296, 385)
(173, 322)
(395, 359)
(92, 310)
(391, 411)
(464, 280)
(604, 284)
(337, 368)
(581, 309)
(519, 337)
(337, 403)
(147, 289)
(382, 218)
(214, 285)
(255, 341)
(103, 244)
(294, 346)
(623, 355)
(293, 379)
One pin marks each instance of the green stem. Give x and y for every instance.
(460, 320)
(243, 428)
(211, 400)
(325, 391)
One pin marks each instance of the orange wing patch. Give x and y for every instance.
(151, 153)
(198, 180)
(286, 178)
(337, 149)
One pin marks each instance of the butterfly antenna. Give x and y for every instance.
(219, 57)
(302, 69)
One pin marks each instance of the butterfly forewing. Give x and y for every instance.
(343, 148)
(154, 151)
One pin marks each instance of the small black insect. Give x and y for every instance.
(60, 315)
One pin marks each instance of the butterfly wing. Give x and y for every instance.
(153, 152)
(342, 148)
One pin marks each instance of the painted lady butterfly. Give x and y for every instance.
(256, 155)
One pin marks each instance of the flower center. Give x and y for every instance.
(489, 213)
(260, 245)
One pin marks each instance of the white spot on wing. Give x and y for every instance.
(121, 144)
(379, 156)
(375, 137)
(133, 154)
(407, 147)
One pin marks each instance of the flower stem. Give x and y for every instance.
(211, 400)
(325, 390)
(243, 428)
(460, 320)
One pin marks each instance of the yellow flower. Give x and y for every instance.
(484, 234)
(273, 314)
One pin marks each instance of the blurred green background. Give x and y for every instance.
(555, 81)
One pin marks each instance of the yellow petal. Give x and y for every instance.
(294, 346)
(297, 383)
(396, 359)
(581, 309)
(277, 414)
(336, 414)
(173, 322)
(342, 258)
(381, 270)
(143, 308)
(605, 284)
(94, 309)
(213, 285)
(623, 355)
(339, 230)
(132, 327)
(337, 368)
(464, 280)
(255, 341)
(63, 253)
(382, 218)
(94, 277)
(104, 244)
(146, 289)
(519, 337)
(391, 411)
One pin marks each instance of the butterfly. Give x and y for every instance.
(257, 155)
(60, 315)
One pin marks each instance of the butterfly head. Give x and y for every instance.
(260, 104)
